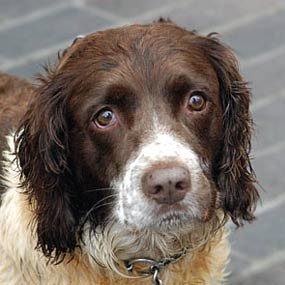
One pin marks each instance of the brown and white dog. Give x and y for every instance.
(130, 158)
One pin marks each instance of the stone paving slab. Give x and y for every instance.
(270, 170)
(268, 121)
(271, 276)
(202, 15)
(11, 9)
(31, 68)
(263, 34)
(2, 60)
(259, 240)
(266, 77)
(238, 263)
(127, 8)
(60, 26)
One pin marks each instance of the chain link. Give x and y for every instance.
(155, 277)
(154, 267)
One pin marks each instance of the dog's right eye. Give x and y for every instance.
(105, 118)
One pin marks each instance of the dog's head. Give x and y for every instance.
(144, 125)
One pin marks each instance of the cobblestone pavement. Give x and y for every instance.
(31, 31)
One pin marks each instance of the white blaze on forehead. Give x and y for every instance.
(161, 146)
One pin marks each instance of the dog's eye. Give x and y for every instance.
(104, 118)
(196, 101)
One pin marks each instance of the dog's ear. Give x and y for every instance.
(42, 147)
(234, 175)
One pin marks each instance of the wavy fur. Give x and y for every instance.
(56, 220)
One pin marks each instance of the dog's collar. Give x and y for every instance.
(153, 267)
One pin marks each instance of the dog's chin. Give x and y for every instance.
(167, 221)
(173, 220)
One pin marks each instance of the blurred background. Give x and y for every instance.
(33, 31)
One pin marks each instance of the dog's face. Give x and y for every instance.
(147, 126)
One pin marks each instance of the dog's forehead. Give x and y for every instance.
(143, 58)
(153, 42)
(155, 49)
(131, 34)
(160, 45)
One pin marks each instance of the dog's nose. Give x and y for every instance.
(166, 185)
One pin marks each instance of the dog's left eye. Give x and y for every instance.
(196, 101)
(105, 118)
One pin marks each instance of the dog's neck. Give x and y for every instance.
(205, 265)
(120, 244)
(154, 255)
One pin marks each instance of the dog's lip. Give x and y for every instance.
(165, 209)
(171, 212)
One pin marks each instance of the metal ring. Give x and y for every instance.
(155, 278)
(142, 260)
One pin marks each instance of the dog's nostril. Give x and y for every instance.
(166, 185)
(157, 189)
(181, 185)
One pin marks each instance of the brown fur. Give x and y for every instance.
(15, 95)
(62, 161)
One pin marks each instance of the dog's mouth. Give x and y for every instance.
(170, 220)
(172, 216)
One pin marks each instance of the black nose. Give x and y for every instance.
(166, 185)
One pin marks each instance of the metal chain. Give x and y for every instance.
(154, 266)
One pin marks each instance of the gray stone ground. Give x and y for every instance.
(31, 31)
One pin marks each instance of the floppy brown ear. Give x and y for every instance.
(234, 174)
(42, 151)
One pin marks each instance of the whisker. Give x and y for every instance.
(99, 189)
(102, 205)
(95, 206)
(103, 199)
